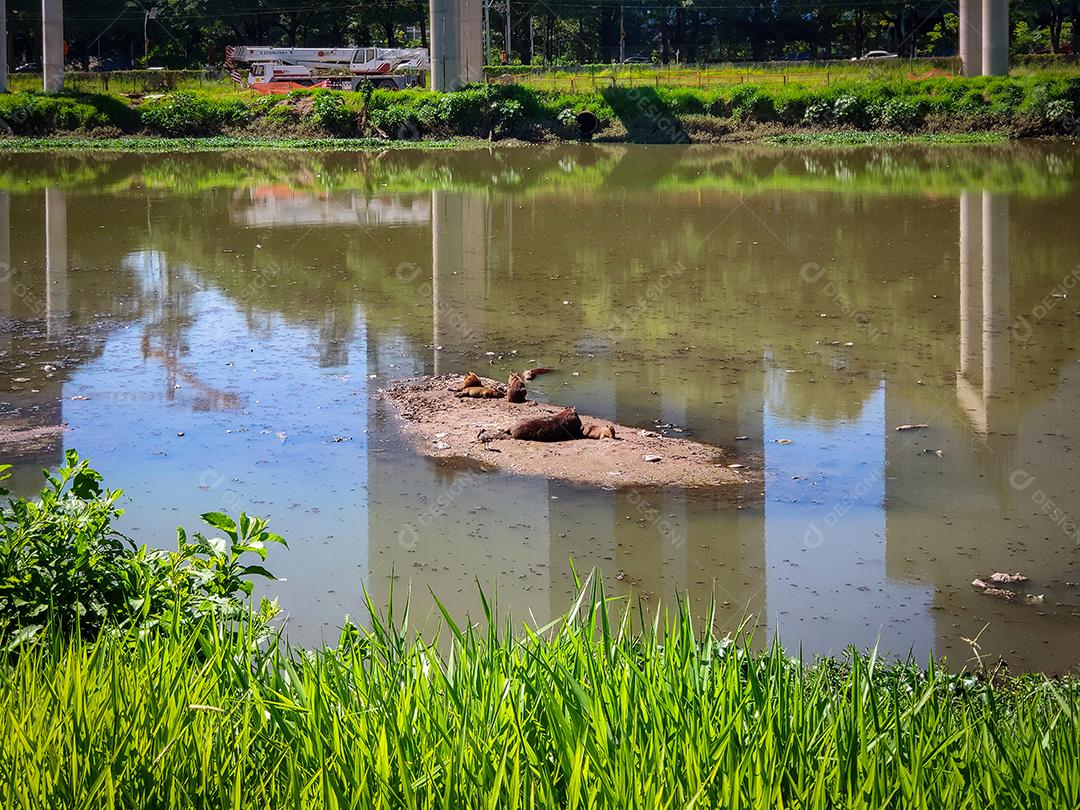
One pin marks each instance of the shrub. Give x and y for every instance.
(818, 113)
(896, 114)
(850, 111)
(330, 115)
(186, 113)
(63, 565)
(31, 113)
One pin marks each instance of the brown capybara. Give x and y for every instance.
(470, 381)
(479, 392)
(557, 427)
(597, 431)
(533, 373)
(515, 388)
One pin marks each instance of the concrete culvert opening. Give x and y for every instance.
(587, 123)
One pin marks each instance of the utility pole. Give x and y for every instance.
(149, 15)
(622, 37)
(507, 37)
(3, 48)
(487, 30)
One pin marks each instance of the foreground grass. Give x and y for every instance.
(578, 714)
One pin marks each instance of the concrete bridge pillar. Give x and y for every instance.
(456, 43)
(971, 51)
(995, 37)
(52, 49)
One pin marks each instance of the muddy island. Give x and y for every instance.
(442, 424)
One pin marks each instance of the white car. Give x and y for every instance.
(875, 55)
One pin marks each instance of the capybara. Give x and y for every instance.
(598, 431)
(515, 388)
(479, 392)
(558, 427)
(533, 373)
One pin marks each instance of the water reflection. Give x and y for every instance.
(256, 309)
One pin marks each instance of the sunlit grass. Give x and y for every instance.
(583, 713)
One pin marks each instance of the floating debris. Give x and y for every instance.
(919, 426)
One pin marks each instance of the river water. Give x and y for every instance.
(209, 330)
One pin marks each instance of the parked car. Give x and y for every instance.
(636, 60)
(875, 55)
(29, 67)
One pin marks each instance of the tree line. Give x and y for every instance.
(188, 33)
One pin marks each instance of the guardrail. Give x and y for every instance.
(122, 81)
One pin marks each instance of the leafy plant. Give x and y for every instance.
(330, 115)
(64, 565)
(188, 113)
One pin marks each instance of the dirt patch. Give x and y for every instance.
(441, 425)
(19, 439)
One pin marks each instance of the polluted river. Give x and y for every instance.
(886, 337)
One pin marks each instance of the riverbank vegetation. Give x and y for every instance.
(1032, 104)
(103, 706)
(184, 33)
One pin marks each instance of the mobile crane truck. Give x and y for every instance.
(284, 69)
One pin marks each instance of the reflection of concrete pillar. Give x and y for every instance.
(56, 286)
(52, 45)
(5, 265)
(456, 47)
(995, 218)
(995, 37)
(971, 51)
(970, 280)
(458, 272)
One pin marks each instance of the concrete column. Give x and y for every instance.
(3, 46)
(995, 37)
(56, 263)
(971, 50)
(52, 38)
(456, 43)
(970, 281)
(995, 283)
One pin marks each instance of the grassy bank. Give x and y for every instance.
(580, 714)
(1031, 104)
(138, 677)
(131, 677)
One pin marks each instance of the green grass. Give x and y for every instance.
(217, 143)
(880, 138)
(1045, 103)
(139, 678)
(583, 713)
